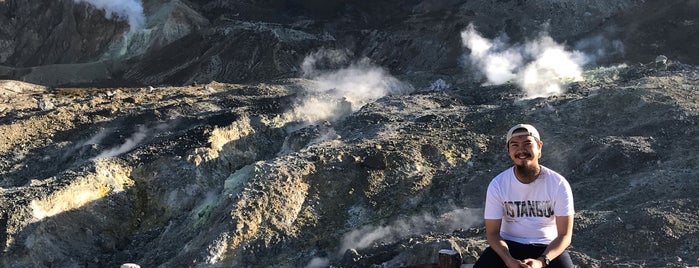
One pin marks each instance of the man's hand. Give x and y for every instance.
(533, 263)
(515, 263)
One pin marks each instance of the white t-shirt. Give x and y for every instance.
(528, 210)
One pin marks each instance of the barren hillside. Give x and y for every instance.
(339, 133)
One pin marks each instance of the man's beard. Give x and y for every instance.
(527, 170)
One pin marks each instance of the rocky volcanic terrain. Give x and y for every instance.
(335, 133)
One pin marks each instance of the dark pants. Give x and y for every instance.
(521, 251)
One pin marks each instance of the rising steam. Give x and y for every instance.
(539, 67)
(318, 263)
(129, 10)
(341, 87)
(130, 143)
(447, 222)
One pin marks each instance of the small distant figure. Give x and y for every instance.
(528, 209)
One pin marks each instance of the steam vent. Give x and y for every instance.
(339, 133)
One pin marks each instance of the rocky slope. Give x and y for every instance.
(181, 42)
(334, 136)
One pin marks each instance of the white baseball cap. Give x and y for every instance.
(530, 131)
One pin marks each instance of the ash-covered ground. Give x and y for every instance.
(304, 134)
(218, 175)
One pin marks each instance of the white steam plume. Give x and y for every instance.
(318, 262)
(447, 222)
(130, 143)
(552, 66)
(130, 10)
(342, 87)
(315, 63)
(539, 67)
(95, 139)
(497, 62)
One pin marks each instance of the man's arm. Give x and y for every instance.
(492, 234)
(564, 225)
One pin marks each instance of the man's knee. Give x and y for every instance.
(489, 259)
(562, 261)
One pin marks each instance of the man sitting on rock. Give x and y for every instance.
(528, 209)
